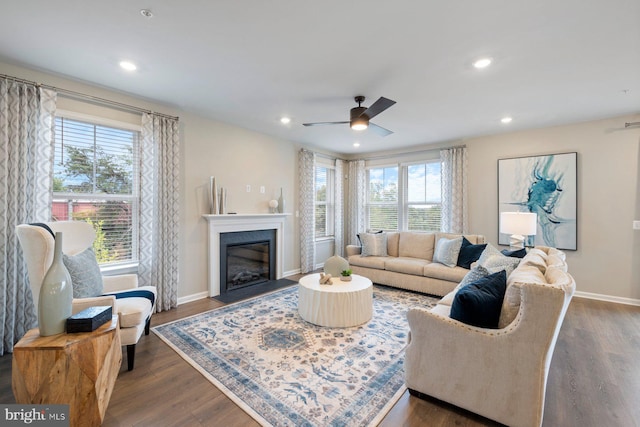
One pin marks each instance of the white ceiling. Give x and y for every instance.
(248, 62)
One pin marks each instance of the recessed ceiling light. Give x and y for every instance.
(356, 144)
(482, 63)
(129, 66)
(506, 119)
(285, 120)
(146, 13)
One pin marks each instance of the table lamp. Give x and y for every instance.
(518, 225)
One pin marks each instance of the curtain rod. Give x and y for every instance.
(384, 156)
(83, 96)
(408, 153)
(323, 155)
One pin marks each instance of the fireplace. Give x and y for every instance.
(219, 225)
(247, 258)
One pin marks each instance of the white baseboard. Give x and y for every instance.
(193, 297)
(608, 298)
(291, 273)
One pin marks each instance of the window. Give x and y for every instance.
(324, 203)
(382, 198)
(95, 181)
(404, 197)
(423, 202)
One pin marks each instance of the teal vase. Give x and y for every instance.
(56, 293)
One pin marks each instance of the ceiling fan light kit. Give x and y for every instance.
(359, 124)
(360, 116)
(359, 120)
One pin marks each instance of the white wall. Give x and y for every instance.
(608, 257)
(236, 157)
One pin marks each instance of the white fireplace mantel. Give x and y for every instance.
(229, 223)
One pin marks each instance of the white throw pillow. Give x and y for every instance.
(493, 260)
(373, 244)
(447, 251)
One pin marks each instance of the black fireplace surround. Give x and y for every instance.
(247, 258)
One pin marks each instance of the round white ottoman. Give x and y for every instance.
(341, 304)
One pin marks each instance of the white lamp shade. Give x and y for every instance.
(522, 223)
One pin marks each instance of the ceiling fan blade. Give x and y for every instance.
(324, 123)
(378, 107)
(379, 129)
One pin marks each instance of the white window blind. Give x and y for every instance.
(324, 203)
(423, 204)
(95, 181)
(382, 198)
(404, 197)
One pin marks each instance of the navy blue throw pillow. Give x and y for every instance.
(518, 253)
(469, 253)
(479, 303)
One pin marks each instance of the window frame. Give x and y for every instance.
(329, 202)
(406, 203)
(403, 202)
(369, 204)
(124, 266)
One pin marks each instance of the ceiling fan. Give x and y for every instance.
(360, 116)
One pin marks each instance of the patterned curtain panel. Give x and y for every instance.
(356, 199)
(159, 208)
(26, 179)
(306, 174)
(454, 189)
(339, 210)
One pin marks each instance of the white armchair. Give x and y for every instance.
(500, 373)
(134, 304)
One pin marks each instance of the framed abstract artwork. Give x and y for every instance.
(545, 185)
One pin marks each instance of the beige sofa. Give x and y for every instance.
(498, 373)
(408, 263)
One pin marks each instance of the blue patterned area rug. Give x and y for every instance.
(284, 371)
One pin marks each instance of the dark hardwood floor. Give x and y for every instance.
(594, 379)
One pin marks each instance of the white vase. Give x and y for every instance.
(281, 202)
(56, 293)
(223, 201)
(335, 265)
(213, 196)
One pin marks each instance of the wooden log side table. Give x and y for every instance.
(77, 369)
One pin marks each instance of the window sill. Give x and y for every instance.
(325, 239)
(114, 270)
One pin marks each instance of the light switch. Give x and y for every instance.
(262, 189)
(636, 225)
(248, 188)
